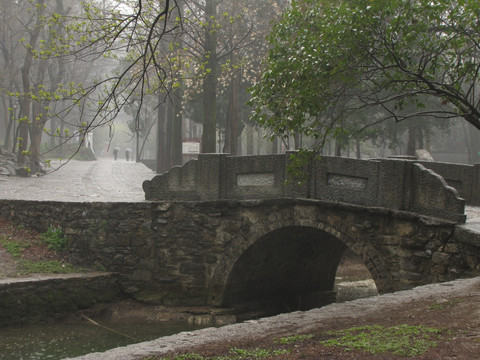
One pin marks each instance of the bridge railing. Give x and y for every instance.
(390, 183)
(464, 178)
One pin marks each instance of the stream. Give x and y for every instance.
(75, 338)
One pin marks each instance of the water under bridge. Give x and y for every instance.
(231, 231)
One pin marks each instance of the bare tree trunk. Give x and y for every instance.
(231, 133)
(9, 119)
(259, 140)
(25, 100)
(298, 141)
(168, 135)
(338, 148)
(473, 143)
(411, 139)
(210, 81)
(420, 138)
(275, 145)
(161, 115)
(177, 97)
(428, 141)
(249, 130)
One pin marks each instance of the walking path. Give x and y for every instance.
(81, 181)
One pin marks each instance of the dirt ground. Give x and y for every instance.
(35, 249)
(459, 313)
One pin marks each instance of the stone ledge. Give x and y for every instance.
(38, 298)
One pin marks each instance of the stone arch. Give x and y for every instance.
(277, 274)
(326, 244)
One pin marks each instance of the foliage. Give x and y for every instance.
(42, 267)
(329, 60)
(234, 354)
(402, 340)
(55, 238)
(444, 305)
(14, 248)
(294, 339)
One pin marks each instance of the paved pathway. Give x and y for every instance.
(102, 180)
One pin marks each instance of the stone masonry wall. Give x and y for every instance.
(29, 300)
(183, 253)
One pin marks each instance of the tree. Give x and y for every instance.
(330, 59)
(56, 38)
(164, 47)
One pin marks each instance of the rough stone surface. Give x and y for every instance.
(393, 184)
(423, 155)
(37, 298)
(197, 253)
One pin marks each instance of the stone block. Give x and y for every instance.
(439, 258)
(142, 275)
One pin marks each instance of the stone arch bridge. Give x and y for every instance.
(228, 231)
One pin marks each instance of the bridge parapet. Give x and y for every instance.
(388, 183)
(463, 177)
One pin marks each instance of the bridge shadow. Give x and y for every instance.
(288, 269)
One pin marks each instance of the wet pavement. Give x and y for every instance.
(103, 180)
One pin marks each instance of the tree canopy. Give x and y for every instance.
(331, 59)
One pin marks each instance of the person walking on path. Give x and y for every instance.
(128, 152)
(116, 149)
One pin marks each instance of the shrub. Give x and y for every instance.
(55, 238)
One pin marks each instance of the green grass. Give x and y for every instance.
(56, 241)
(234, 354)
(45, 267)
(55, 238)
(13, 247)
(290, 340)
(444, 305)
(401, 340)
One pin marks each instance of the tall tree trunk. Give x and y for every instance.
(161, 116)
(25, 99)
(177, 127)
(338, 148)
(259, 140)
(420, 137)
(275, 145)
(9, 119)
(473, 143)
(210, 81)
(428, 141)
(168, 135)
(231, 133)
(249, 131)
(39, 118)
(411, 138)
(297, 141)
(177, 99)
